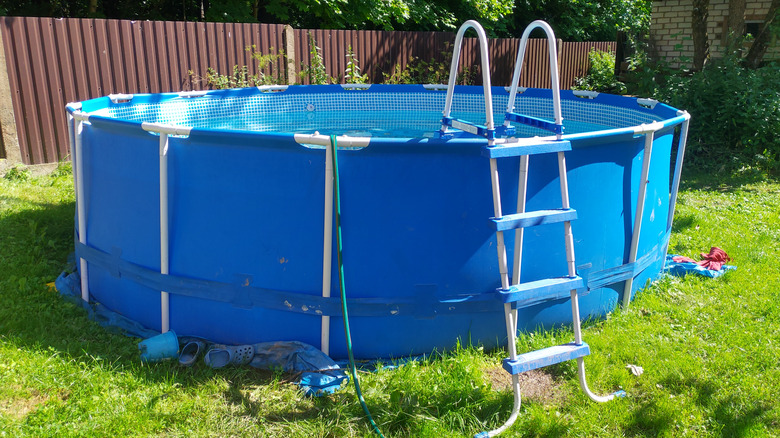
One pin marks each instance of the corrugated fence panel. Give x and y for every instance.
(55, 61)
(574, 56)
(51, 62)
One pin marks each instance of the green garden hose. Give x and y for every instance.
(342, 288)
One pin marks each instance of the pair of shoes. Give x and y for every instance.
(220, 355)
(189, 354)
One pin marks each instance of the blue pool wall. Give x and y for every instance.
(246, 230)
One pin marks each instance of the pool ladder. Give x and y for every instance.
(523, 294)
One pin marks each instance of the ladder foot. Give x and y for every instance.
(584, 385)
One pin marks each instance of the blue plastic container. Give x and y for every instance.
(247, 212)
(160, 347)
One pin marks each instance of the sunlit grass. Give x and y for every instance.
(709, 348)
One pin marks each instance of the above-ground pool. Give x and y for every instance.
(236, 188)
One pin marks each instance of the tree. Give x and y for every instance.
(701, 43)
(735, 32)
(735, 26)
(761, 43)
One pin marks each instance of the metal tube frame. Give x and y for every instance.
(165, 131)
(649, 133)
(327, 248)
(483, 49)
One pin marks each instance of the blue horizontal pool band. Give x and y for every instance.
(596, 280)
(250, 296)
(296, 302)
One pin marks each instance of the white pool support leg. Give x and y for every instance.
(327, 248)
(678, 168)
(81, 207)
(164, 255)
(640, 204)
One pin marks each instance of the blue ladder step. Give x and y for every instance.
(526, 146)
(469, 127)
(541, 290)
(533, 218)
(545, 357)
(535, 122)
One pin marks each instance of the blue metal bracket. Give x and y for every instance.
(535, 122)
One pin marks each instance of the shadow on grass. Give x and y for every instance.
(728, 416)
(683, 222)
(732, 416)
(720, 180)
(35, 243)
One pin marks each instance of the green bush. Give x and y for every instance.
(419, 71)
(316, 72)
(735, 114)
(352, 74)
(17, 173)
(240, 77)
(601, 74)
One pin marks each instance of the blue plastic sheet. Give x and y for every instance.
(681, 269)
(319, 374)
(68, 284)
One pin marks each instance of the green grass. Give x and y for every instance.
(709, 348)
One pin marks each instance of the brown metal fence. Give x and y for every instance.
(51, 62)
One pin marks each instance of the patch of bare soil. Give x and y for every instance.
(535, 385)
(19, 408)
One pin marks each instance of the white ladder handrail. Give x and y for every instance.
(485, 71)
(556, 84)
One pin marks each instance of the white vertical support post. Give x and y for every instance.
(327, 247)
(510, 315)
(570, 261)
(81, 207)
(640, 204)
(563, 177)
(522, 184)
(564, 180)
(678, 168)
(502, 261)
(164, 255)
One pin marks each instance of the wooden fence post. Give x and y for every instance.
(289, 54)
(10, 152)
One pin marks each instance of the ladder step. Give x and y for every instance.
(526, 146)
(533, 218)
(545, 357)
(469, 127)
(535, 122)
(541, 290)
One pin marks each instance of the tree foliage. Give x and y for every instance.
(585, 20)
(573, 20)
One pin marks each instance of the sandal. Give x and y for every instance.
(220, 355)
(190, 352)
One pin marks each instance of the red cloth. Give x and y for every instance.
(714, 260)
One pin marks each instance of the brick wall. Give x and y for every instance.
(670, 28)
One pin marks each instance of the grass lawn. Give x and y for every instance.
(710, 350)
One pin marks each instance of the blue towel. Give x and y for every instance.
(680, 269)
